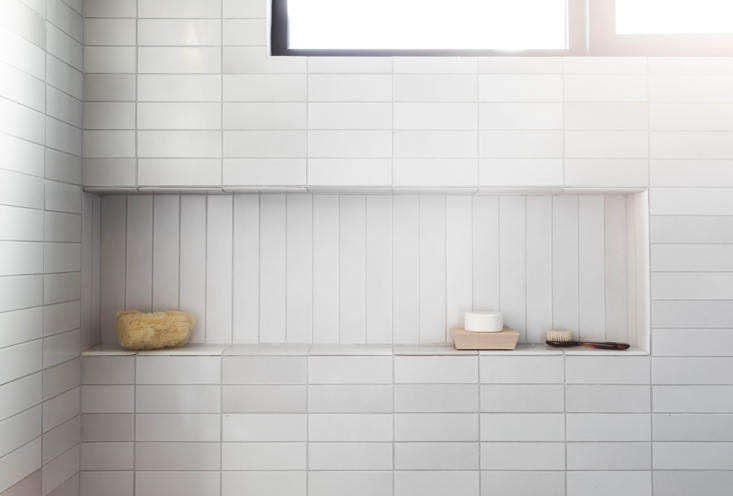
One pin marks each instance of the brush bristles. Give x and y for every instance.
(559, 336)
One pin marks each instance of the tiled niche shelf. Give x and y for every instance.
(296, 349)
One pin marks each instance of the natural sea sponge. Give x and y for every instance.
(152, 331)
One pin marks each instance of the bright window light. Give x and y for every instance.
(674, 16)
(427, 24)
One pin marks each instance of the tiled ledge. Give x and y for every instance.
(275, 349)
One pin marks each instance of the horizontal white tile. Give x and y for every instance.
(20, 326)
(109, 172)
(334, 483)
(435, 65)
(693, 201)
(178, 88)
(435, 144)
(691, 228)
(252, 482)
(692, 481)
(606, 144)
(691, 88)
(520, 116)
(264, 427)
(696, 342)
(61, 438)
(263, 456)
(181, 483)
(246, 32)
(593, 88)
(20, 395)
(107, 456)
(411, 369)
(521, 144)
(109, 59)
(177, 399)
(265, 87)
(692, 145)
(350, 399)
(630, 483)
(616, 116)
(436, 398)
(184, 144)
(109, 31)
(107, 427)
(691, 286)
(350, 370)
(521, 369)
(520, 88)
(264, 172)
(684, 370)
(525, 172)
(608, 427)
(436, 456)
(607, 370)
(61, 408)
(693, 399)
(436, 427)
(522, 427)
(521, 398)
(178, 370)
(179, 32)
(178, 8)
(524, 483)
(349, 65)
(20, 292)
(522, 456)
(454, 116)
(603, 172)
(434, 172)
(179, 60)
(435, 88)
(179, 172)
(692, 427)
(177, 427)
(264, 116)
(20, 360)
(458, 483)
(607, 398)
(265, 144)
(110, 483)
(108, 370)
(257, 60)
(520, 65)
(351, 172)
(690, 257)
(350, 456)
(107, 399)
(349, 116)
(690, 173)
(609, 456)
(177, 456)
(350, 427)
(19, 430)
(691, 117)
(264, 370)
(178, 116)
(693, 456)
(605, 65)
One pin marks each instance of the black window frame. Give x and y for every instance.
(591, 32)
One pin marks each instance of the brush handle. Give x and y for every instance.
(605, 345)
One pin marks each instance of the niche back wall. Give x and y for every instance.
(354, 268)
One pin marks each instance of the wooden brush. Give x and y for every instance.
(563, 338)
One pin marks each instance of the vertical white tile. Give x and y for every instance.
(246, 269)
(565, 267)
(192, 294)
(539, 267)
(406, 269)
(299, 268)
(219, 269)
(512, 250)
(272, 268)
(139, 275)
(486, 253)
(325, 268)
(592, 235)
(112, 286)
(615, 269)
(432, 269)
(352, 269)
(459, 262)
(379, 269)
(166, 244)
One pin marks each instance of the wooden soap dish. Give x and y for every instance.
(467, 340)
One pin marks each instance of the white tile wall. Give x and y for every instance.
(41, 233)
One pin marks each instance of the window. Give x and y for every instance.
(407, 27)
(502, 27)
